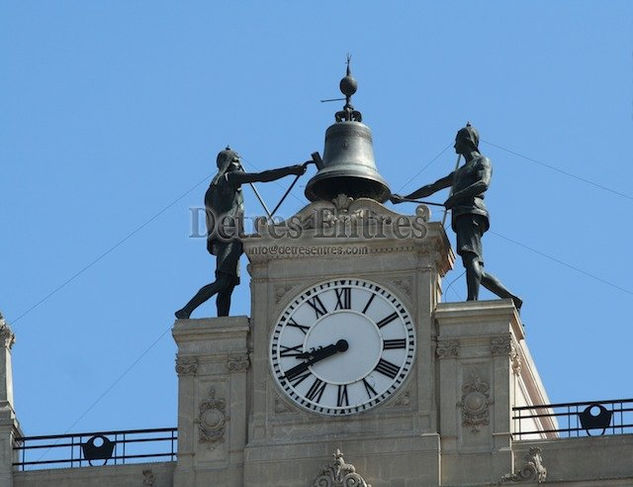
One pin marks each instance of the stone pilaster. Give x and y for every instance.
(9, 426)
(476, 349)
(212, 366)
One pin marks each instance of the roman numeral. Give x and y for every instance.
(317, 305)
(290, 351)
(304, 329)
(341, 397)
(371, 392)
(387, 368)
(343, 298)
(371, 298)
(387, 320)
(393, 344)
(316, 390)
(297, 379)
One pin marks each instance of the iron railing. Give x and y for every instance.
(574, 419)
(97, 448)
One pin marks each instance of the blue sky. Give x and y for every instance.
(112, 111)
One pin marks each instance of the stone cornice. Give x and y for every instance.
(225, 327)
(480, 312)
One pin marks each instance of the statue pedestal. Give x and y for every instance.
(484, 370)
(212, 364)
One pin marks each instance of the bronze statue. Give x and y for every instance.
(224, 204)
(469, 218)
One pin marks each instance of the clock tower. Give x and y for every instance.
(349, 349)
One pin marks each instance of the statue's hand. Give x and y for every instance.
(297, 169)
(396, 198)
(449, 203)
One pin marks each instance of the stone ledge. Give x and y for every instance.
(225, 327)
(473, 313)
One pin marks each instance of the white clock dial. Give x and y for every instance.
(342, 347)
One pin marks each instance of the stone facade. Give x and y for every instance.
(449, 424)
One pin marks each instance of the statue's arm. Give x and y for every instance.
(237, 178)
(482, 183)
(429, 189)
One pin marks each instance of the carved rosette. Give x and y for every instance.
(533, 470)
(6, 335)
(238, 363)
(339, 474)
(148, 478)
(447, 349)
(475, 403)
(212, 419)
(186, 365)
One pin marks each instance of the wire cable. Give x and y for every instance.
(561, 171)
(563, 263)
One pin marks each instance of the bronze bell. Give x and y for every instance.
(348, 165)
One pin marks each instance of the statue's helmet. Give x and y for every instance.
(224, 160)
(225, 157)
(469, 134)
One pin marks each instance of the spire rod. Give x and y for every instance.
(348, 87)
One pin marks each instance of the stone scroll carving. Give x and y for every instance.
(501, 345)
(6, 335)
(186, 366)
(339, 474)
(238, 363)
(212, 419)
(447, 349)
(533, 470)
(475, 402)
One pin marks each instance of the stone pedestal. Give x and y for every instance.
(484, 370)
(212, 365)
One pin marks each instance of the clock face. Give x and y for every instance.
(342, 347)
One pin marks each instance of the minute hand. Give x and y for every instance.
(319, 355)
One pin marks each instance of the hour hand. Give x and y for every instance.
(316, 356)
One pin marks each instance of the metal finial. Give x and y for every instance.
(348, 87)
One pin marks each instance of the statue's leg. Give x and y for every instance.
(223, 301)
(204, 294)
(473, 274)
(495, 286)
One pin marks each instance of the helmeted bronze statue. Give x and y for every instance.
(224, 207)
(469, 218)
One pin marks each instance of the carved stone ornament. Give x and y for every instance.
(405, 284)
(212, 419)
(447, 349)
(424, 212)
(186, 365)
(148, 478)
(402, 401)
(516, 362)
(533, 470)
(238, 363)
(342, 202)
(6, 335)
(501, 345)
(281, 291)
(475, 403)
(339, 474)
(281, 406)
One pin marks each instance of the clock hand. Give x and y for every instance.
(317, 356)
